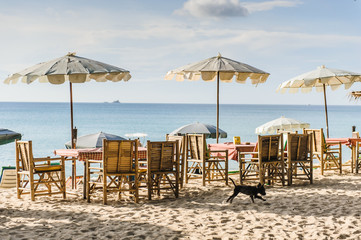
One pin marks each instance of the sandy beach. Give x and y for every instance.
(327, 209)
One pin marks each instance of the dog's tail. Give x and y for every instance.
(232, 181)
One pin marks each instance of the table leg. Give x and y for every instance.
(353, 157)
(73, 174)
(84, 181)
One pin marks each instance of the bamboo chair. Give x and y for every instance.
(162, 167)
(182, 155)
(37, 176)
(299, 157)
(116, 172)
(203, 163)
(329, 156)
(267, 164)
(8, 177)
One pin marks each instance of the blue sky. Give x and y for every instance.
(283, 37)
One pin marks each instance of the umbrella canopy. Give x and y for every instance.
(221, 69)
(199, 128)
(8, 136)
(70, 68)
(93, 140)
(320, 79)
(282, 123)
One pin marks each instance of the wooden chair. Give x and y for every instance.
(117, 171)
(267, 164)
(8, 177)
(162, 167)
(203, 163)
(182, 155)
(299, 157)
(37, 176)
(329, 156)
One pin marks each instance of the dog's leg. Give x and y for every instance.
(259, 197)
(252, 198)
(230, 199)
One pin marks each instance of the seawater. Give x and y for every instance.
(48, 124)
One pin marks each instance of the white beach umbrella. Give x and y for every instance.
(319, 79)
(282, 123)
(199, 128)
(221, 69)
(70, 68)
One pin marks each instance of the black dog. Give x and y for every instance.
(248, 190)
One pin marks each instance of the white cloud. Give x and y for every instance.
(229, 8)
(269, 5)
(213, 8)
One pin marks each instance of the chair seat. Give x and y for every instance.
(47, 168)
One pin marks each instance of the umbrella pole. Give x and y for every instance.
(324, 97)
(217, 134)
(71, 115)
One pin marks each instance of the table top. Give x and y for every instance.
(232, 148)
(345, 141)
(92, 153)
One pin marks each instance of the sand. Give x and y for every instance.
(328, 209)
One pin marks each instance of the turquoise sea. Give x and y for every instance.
(48, 124)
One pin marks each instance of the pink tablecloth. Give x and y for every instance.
(233, 149)
(345, 141)
(92, 153)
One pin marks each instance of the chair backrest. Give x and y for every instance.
(120, 156)
(181, 144)
(299, 146)
(24, 155)
(270, 147)
(162, 156)
(196, 146)
(318, 139)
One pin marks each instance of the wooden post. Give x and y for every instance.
(217, 134)
(324, 96)
(71, 116)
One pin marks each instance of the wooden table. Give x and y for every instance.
(351, 143)
(233, 149)
(89, 153)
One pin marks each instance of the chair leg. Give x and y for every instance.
(63, 183)
(203, 174)
(18, 185)
(177, 184)
(226, 175)
(87, 183)
(149, 184)
(321, 163)
(136, 186)
(32, 188)
(105, 190)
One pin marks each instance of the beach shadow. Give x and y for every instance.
(60, 224)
